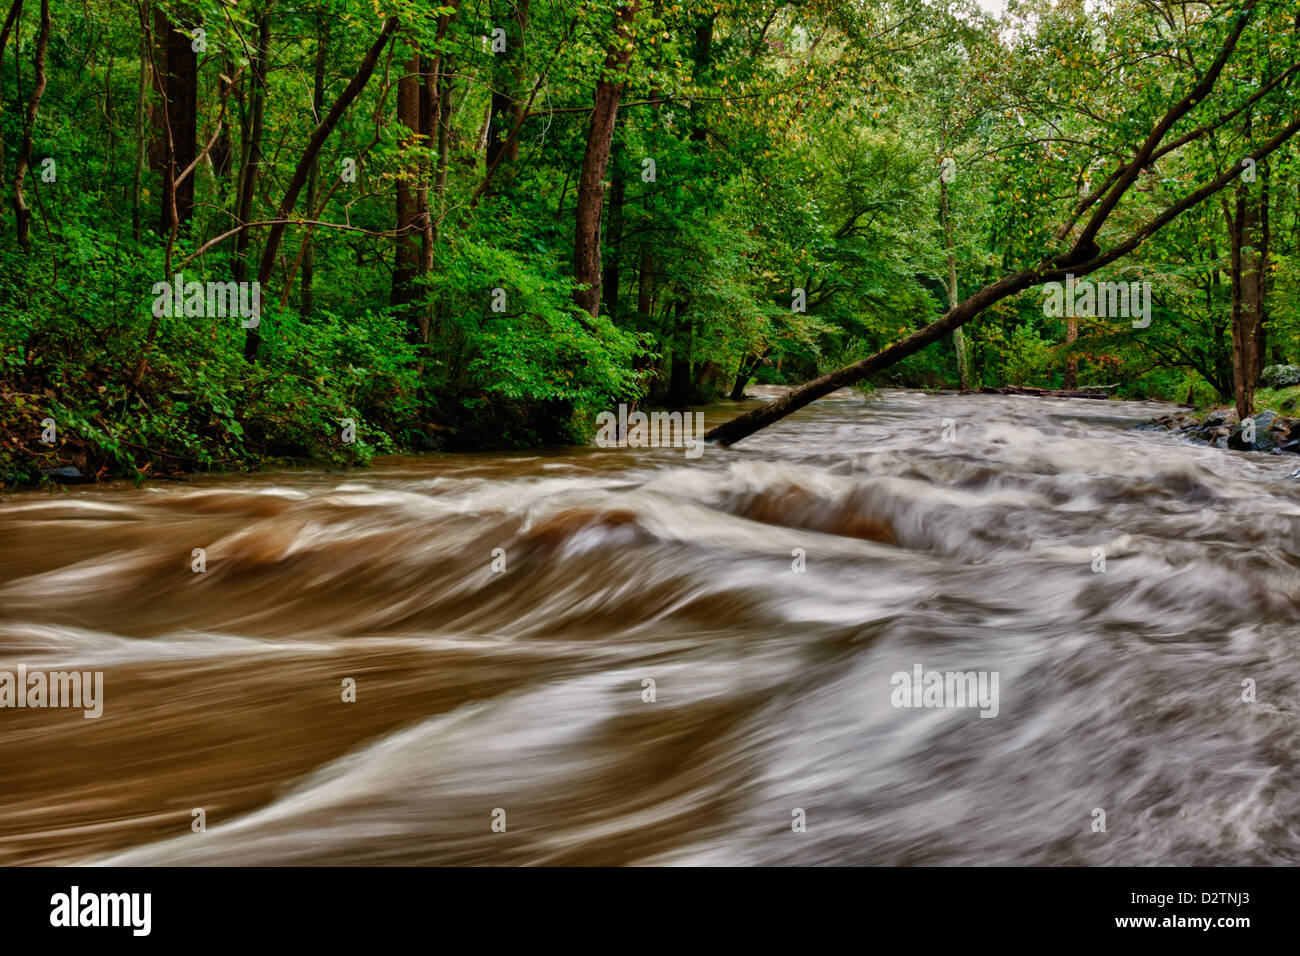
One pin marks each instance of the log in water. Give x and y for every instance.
(920, 630)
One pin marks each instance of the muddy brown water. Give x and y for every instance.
(1162, 690)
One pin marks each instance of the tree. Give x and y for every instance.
(1083, 256)
(23, 214)
(591, 181)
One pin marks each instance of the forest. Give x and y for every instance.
(238, 234)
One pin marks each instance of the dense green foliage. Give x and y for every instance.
(765, 154)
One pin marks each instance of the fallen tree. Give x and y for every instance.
(1083, 257)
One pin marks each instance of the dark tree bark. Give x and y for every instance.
(748, 367)
(680, 386)
(253, 339)
(591, 183)
(1244, 235)
(611, 279)
(22, 214)
(180, 89)
(1247, 222)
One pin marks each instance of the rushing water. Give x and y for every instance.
(523, 690)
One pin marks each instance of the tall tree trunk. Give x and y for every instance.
(645, 285)
(180, 89)
(15, 11)
(611, 278)
(508, 81)
(445, 90)
(22, 214)
(958, 339)
(141, 139)
(591, 184)
(251, 159)
(1247, 286)
(422, 320)
(1263, 276)
(1071, 378)
(680, 390)
(407, 258)
(313, 177)
(223, 150)
(253, 339)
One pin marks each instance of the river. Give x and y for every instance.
(1134, 597)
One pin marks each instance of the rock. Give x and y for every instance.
(1280, 376)
(1263, 438)
(66, 473)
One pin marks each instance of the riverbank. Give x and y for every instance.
(87, 450)
(86, 435)
(1269, 431)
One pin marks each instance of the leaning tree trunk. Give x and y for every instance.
(251, 158)
(253, 339)
(744, 425)
(1083, 257)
